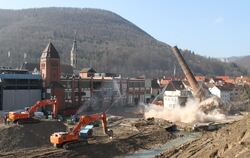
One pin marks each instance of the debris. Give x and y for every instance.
(229, 141)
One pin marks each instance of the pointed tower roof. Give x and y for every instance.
(74, 47)
(50, 52)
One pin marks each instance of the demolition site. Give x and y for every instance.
(49, 109)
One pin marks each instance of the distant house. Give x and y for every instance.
(200, 78)
(242, 80)
(87, 72)
(216, 81)
(224, 92)
(165, 81)
(224, 78)
(175, 94)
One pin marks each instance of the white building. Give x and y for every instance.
(223, 92)
(175, 94)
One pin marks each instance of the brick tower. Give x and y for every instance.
(50, 65)
(50, 72)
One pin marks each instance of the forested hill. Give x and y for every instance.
(106, 41)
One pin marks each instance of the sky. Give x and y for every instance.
(212, 28)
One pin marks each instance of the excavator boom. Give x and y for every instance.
(43, 103)
(26, 116)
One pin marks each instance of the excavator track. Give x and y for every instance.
(74, 144)
(26, 121)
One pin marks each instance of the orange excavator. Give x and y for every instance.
(71, 139)
(27, 116)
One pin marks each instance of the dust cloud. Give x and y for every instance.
(191, 113)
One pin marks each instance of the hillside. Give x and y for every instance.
(243, 61)
(106, 42)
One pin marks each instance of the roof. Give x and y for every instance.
(200, 78)
(66, 69)
(30, 66)
(210, 85)
(20, 76)
(223, 77)
(226, 87)
(164, 82)
(13, 71)
(50, 52)
(88, 70)
(175, 85)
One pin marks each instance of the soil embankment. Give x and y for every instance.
(13, 137)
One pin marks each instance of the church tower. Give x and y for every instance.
(73, 55)
(50, 65)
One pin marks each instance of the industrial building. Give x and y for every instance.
(73, 88)
(19, 89)
(88, 87)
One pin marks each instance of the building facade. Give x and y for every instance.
(175, 95)
(223, 92)
(89, 89)
(19, 89)
(50, 65)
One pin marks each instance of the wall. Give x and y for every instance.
(19, 99)
(173, 98)
(215, 91)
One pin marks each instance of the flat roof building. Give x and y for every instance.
(19, 89)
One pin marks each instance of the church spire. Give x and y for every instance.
(73, 54)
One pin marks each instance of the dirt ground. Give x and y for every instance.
(233, 140)
(14, 137)
(129, 135)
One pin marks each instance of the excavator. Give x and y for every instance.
(72, 139)
(27, 116)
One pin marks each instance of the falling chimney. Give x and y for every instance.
(197, 91)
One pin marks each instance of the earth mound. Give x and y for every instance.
(15, 137)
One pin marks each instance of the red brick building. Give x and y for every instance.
(50, 72)
(88, 87)
(50, 65)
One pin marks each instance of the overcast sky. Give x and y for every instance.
(216, 28)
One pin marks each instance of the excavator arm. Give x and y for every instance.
(26, 116)
(85, 120)
(43, 103)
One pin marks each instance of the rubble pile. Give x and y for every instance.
(28, 136)
(232, 140)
